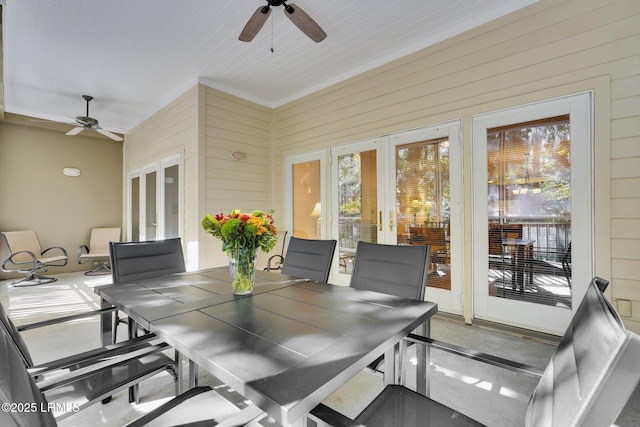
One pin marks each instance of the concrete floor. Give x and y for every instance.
(490, 395)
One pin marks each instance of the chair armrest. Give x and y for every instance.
(107, 363)
(64, 251)
(80, 248)
(322, 415)
(476, 355)
(92, 356)
(63, 319)
(65, 256)
(34, 260)
(280, 261)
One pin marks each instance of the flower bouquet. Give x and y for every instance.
(242, 234)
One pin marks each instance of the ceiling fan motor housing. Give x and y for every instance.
(87, 121)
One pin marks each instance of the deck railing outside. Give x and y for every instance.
(552, 235)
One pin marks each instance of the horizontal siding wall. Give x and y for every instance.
(172, 130)
(552, 48)
(625, 190)
(233, 124)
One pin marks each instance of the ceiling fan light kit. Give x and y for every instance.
(295, 14)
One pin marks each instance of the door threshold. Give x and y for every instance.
(500, 327)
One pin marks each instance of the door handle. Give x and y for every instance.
(380, 220)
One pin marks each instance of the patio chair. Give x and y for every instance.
(18, 387)
(27, 256)
(98, 250)
(131, 261)
(434, 237)
(309, 259)
(587, 382)
(554, 268)
(75, 382)
(394, 270)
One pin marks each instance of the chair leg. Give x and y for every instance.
(32, 279)
(134, 395)
(100, 270)
(116, 322)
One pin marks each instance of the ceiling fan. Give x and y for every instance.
(87, 122)
(300, 19)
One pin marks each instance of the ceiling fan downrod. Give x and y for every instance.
(87, 98)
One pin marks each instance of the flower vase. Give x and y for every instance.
(242, 266)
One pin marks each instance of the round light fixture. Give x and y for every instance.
(71, 171)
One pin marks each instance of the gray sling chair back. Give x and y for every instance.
(27, 257)
(390, 269)
(74, 382)
(394, 270)
(309, 259)
(131, 261)
(25, 404)
(587, 382)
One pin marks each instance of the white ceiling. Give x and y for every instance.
(135, 56)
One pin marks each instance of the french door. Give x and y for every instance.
(532, 222)
(358, 201)
(389, 189)
(425, 195)
(155, 194)
(305, 186)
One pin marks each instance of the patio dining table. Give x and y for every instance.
(286, 347)
(521, 250)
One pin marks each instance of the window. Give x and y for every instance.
(529, 210)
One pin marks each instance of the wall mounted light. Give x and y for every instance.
(71, 171)
(238, 156)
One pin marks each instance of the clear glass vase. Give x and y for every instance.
(242, 266)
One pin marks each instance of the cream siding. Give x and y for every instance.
(173, 130)
(546, 50)
(233, 124)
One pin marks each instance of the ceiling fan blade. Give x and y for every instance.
(306, 24)
(108, 134)
(75, 131)
(255, 24)
(71, 121)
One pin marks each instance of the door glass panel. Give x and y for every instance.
(150, 206)
(357, 204)
(171, 202)
(135, 209)
(306, 200)
(423, 203)
(529, 212)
